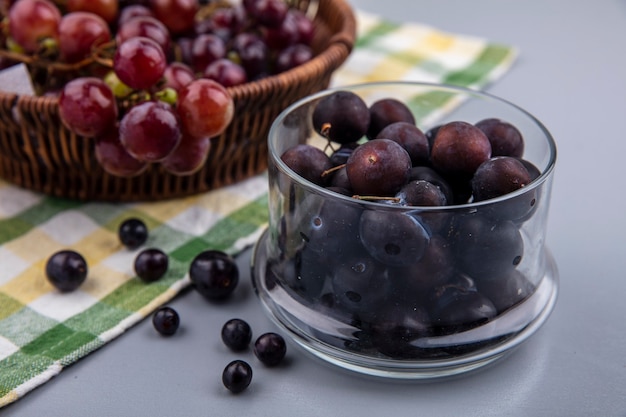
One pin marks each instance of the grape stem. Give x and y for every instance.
(37, 61)
(331, 170)
(375, 198)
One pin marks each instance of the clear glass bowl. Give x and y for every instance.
(482, 283)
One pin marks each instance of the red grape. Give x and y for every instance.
(139, 62)
(177, 75)
(205, 49)
(106, 9)
(226, 72)
(134, 10)
(150, 131)
(287, 33)
(177, 15)
(114, 158)
(32, 20)
(205, 108)
(79, 33)
(293, 56)
(145, 26)
(87, 106)
(188, 157)
(270, 13)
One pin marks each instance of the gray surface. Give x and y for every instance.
(571, 74)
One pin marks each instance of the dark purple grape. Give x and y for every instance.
(505, 139)
(306, 273)
(532, 169)
(421, 193)
(66, 270)
(379, 167)
(486, 248)
(459, 148)
(293, 56)
(411, 138)
(385, 112)
(340, 180)
(133, 233)
(237, 376)
(507, 291)
(236, 334)
(341, 155)
(431, 134)
(270, 348)
(434, 269)
(293, 29)
(396, 326)
(393, 238)
(307, 161)
(253, 54)
(270, 13)
(151, 264)
(327, 225)
(359, 285)
(224, 22)
(214, 274)
(226, 72)
(342, 117)
(166, 321)
(499, 176)
(430, 175)
(455, 309)
(206, 48)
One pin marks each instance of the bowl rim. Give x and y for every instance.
(543, 177)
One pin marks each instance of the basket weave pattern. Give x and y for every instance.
(37, 152)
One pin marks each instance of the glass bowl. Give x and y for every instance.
(475, 280)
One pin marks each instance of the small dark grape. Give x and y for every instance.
(506, 139)
(307, 161)
(395, 326)
(66, 270)
(421, 193)
(378, 167)
(166, 321)
(486, 248)
(499, 176)
(411, 138)
(293, 56)
(237, 376)
(508, 290)
(431, 134)
(395, 239)
(430, 175)
(270, 348)
(151, 264)
(359, 284)
(456, 309)
(385, 112)
(459, 148)
(236, 334)
(341, 155)
(342, 117)
(214, 274)
(133, 233)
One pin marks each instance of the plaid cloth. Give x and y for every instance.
(43, 330)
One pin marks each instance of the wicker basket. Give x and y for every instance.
(38, 153)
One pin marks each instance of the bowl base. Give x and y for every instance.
(320, 335)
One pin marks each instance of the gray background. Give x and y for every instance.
(571, 74)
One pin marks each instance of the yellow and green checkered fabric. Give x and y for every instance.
(43, 330)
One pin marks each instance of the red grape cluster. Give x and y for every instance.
(149, 79)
